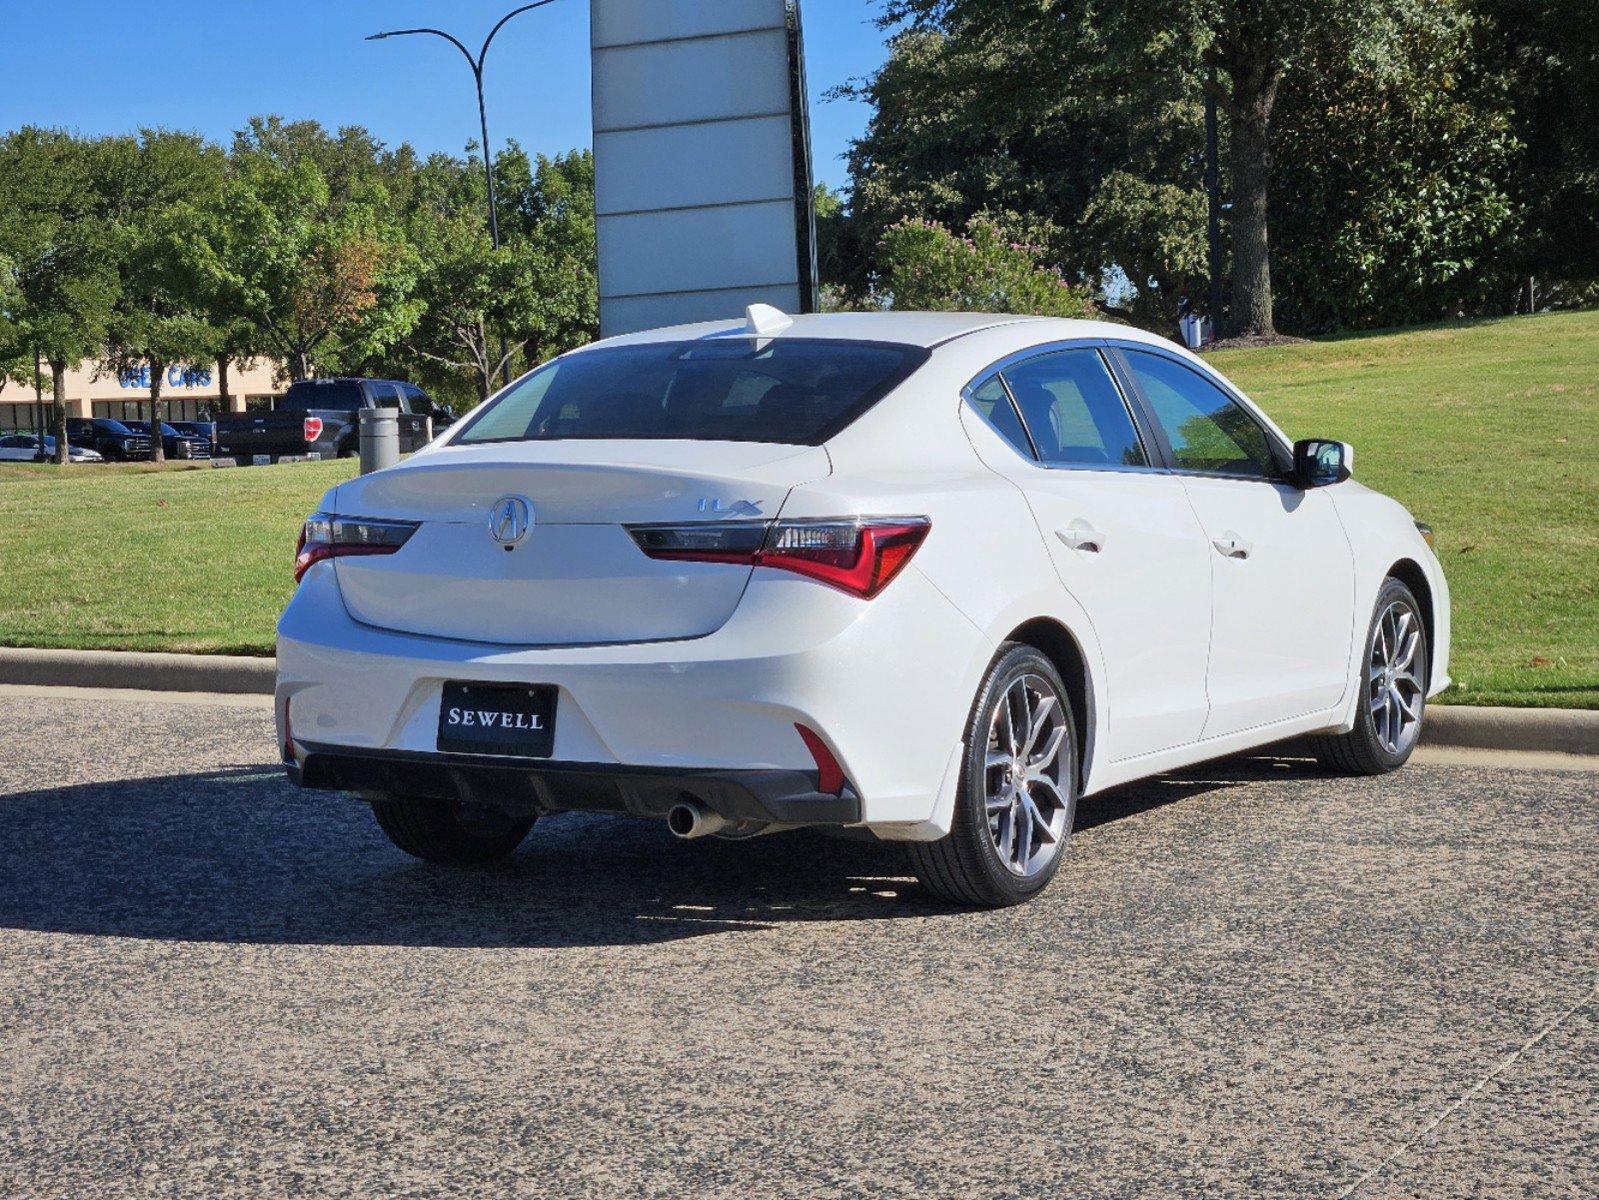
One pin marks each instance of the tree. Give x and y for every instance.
(1244, 47)
(539, 290)
(1391, 205)
(1547, 52)
(1154, 233)
(155, 187)
(1102, 172)
(238, 343)
(15, 364)
(550, 202)
(466, 288)
(62, 282)
(322, 275)
(925, 266)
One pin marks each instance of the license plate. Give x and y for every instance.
(480, 718)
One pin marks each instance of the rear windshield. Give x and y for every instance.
(793, 391)
(303, 396)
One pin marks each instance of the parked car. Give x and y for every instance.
(174, 443)
(933, 576)
(200, 429)
(111, 439)
(24, 447)
(322, 416)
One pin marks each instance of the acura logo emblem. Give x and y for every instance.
(510, 519)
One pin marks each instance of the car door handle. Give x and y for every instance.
(1080, 535)
(1233, 546)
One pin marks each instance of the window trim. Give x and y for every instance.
(1156, 461)
(1282, 454)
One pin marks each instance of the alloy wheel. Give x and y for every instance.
(1025, 795)
(1394, 689)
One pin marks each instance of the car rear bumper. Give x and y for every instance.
(887, 685)
(542, 785)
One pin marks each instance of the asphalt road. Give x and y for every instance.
(1247, 981)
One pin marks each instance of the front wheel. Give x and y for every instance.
(1018, 789)
(453, 832)
(1393, 695)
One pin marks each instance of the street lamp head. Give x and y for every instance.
(377, 37)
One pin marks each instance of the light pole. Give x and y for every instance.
(1213, 208)
(483, 120)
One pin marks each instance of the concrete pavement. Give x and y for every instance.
(1249, 980)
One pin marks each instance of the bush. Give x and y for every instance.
(923, 265)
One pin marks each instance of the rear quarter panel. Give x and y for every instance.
(910, 456)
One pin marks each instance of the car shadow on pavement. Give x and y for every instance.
(242, 856)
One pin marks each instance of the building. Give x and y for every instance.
(189, 393)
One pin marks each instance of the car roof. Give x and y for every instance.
(354, 379)
(926, 329)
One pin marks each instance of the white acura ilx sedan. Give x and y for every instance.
(930, 575)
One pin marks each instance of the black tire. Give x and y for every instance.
(443, 831)
(1361, 751)
(965, 866)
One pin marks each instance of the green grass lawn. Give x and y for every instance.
(130, 558)
(1489, 431)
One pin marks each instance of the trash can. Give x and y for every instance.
(380, 439)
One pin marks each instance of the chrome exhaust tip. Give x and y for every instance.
(690, 819)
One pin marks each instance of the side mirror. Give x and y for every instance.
(1318, 462)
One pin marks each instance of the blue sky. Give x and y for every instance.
(110, 66)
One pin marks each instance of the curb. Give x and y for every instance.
(1556, 730)
(232, 674)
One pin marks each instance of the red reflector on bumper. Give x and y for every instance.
(830, 776)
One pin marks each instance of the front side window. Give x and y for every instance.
(1208, 430)
(786, 390)
(1074, 410)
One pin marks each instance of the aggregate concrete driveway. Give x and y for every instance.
(1248, 981)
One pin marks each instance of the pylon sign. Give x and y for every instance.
(701, 159)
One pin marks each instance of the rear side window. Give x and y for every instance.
(302, 397)
(384, 395)
(1074, 410)
(793, 391)
(994, 406)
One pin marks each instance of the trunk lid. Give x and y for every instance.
(576, 577)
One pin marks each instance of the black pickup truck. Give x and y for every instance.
(112, 439)
(175, 443)
(323, 417)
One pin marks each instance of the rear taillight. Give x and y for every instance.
(856, 556)
(313, 428)
(327, 536)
